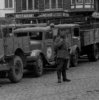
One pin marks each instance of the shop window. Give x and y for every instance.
(8, 4)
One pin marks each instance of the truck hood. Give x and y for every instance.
(34, 45)
(35, 42)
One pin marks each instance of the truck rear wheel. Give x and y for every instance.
(93, 55)
(74, 59)
(16, 72)
(39, 66)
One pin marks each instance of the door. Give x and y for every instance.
(49, 46)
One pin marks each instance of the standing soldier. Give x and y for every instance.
(62, 56)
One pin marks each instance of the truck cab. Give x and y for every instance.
(41, 47)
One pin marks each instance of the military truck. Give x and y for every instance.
(82, 40)
(23, 47)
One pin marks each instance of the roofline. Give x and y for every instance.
(30, 29)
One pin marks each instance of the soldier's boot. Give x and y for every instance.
(59, 77)
(65, 77)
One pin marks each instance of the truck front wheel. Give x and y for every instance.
(15, 74)
(39, 66)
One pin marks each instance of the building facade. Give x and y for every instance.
(38, 11)
(53, 5)
(6, 6)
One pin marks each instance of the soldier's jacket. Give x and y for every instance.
(61, 48)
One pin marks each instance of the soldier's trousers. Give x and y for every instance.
(61, 68)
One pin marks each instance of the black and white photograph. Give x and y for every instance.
(49, 49)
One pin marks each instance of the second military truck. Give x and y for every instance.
(81, 40)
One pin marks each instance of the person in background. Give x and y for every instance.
(62, 56)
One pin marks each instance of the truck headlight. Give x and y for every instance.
(33, 53)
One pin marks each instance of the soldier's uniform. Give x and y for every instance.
(62, 56)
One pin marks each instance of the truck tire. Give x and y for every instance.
(93, 55)
(74, 59)
(15, 74)
(39, 66)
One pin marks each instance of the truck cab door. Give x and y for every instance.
(49, 46)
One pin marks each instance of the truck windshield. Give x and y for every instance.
(35, 35)
(76, 32)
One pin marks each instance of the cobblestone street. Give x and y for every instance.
(84, 85)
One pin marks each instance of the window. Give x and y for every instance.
(92, 1)
(35, 35)
(53, 3)
(60, 3)
(8, 4)
(72, 1)
(88, 1)
(30, 2)
(79, 1)
(76, 32)
(27, 4)
(47, 4)
(21, 34)
(24, 5)
(36, 4)
(56, 4)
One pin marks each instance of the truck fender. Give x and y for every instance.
(73, 49)
(36, 53)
